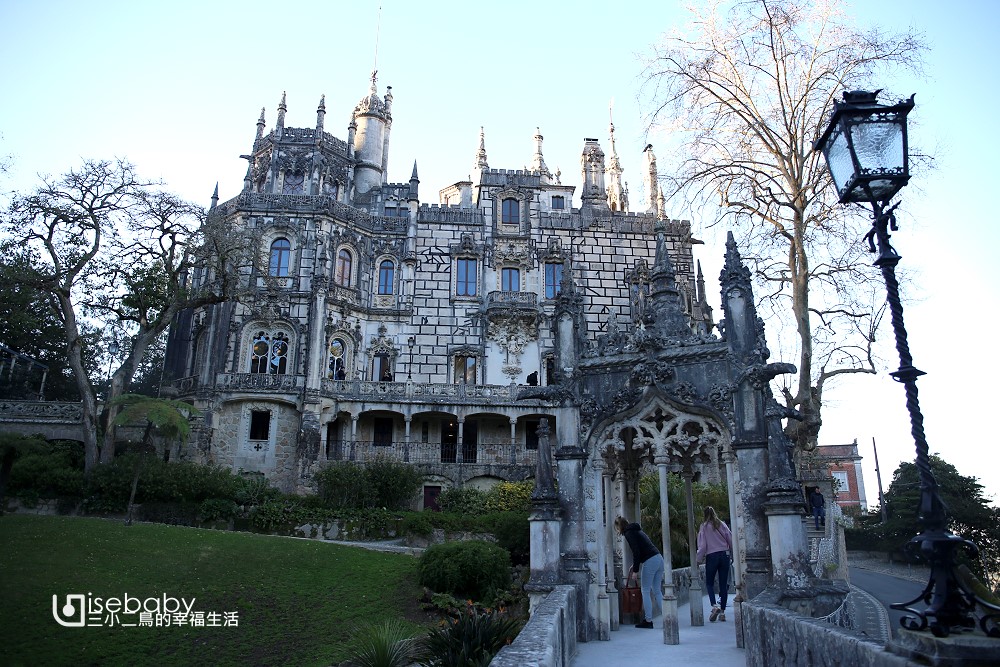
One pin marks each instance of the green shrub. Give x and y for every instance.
(472, 639)
(513, 533)
(472, 569)
(418, 523)
(253, 489)
(341, 485)
(218, 509)
(381, 482)
(463, 500)
(510, 496)
(392, 484)
(50, 474)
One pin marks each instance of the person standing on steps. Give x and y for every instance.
(715, 541)
(648, 563)
(818, 505)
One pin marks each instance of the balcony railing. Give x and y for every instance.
(362, 451)
(361, 390)
(500, 298)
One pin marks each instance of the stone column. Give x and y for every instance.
(569, 464)
(609, 545)
(513, 440)
(460, 445)
(354, 436)
(407, 419)
(736, 520)
(545, 525)
(695, 594)
(671, 627)
(603, 620)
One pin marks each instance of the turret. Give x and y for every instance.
(279, 124)
(538, 162)
(412, 195)
(320, 116)
(592, 165)
(652, 183)
(260, 127)
(215, 197)
(481, 164)
(617, 194)
(372, 118)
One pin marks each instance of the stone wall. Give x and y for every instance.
(548, 639)
(774, 635)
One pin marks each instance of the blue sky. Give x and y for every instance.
(176, 87)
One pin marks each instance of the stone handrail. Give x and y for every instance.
(500, 297)
(36, 411)
(548, 639)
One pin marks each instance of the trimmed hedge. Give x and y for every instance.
(472, 569)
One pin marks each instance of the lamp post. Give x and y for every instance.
(410, 342)
(866, 151)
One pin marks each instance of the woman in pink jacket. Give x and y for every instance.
(714, 543)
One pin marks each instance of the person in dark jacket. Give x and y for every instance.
(648, 563)
(818, 505)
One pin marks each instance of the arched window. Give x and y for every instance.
(281, 250)
(344, 263)
(510, 211)
(386, 271)
(269, 353)
(337, 368)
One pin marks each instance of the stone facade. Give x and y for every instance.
(384, 324)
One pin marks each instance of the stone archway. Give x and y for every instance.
(671, 436)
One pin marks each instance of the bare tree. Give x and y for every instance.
(114, 247)
(744, 94)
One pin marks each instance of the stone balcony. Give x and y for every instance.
(360, 390)
(504, 306)
(433, 453)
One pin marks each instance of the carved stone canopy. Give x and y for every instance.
(664, 432)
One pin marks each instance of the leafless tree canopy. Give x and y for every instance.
(745, 92)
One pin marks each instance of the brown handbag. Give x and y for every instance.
(631, 600)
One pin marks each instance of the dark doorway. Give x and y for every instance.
(449, 441)
(334, 445)
(431, 494)
(470, 442)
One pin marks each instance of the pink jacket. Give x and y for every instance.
(711, 540)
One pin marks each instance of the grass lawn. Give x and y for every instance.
(297, 601)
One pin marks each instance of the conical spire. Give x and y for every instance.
(665, 313)
(282, 108)
(215, 197)
(320, 114)
(260, 125)
(414, 183)
(537, 161)
(617, 195)
(481, 162)
(652, 183)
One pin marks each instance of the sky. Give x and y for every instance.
(177, 87)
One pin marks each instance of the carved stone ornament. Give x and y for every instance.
(512, 252)
(512, 333)
(466, 247)
(382, 344)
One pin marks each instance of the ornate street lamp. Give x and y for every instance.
(866, 150)
(410, 342)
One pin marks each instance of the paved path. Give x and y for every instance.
(712, 644)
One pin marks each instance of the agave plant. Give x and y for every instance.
(390, 644)
(470, 640)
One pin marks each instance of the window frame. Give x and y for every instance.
(386, 277)
(510, 211)
(470, 366)
(553, 279)
(510, 279)
(558, 203)
(262, 362)
(274, 268)
(344, 268)
(462, 267)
